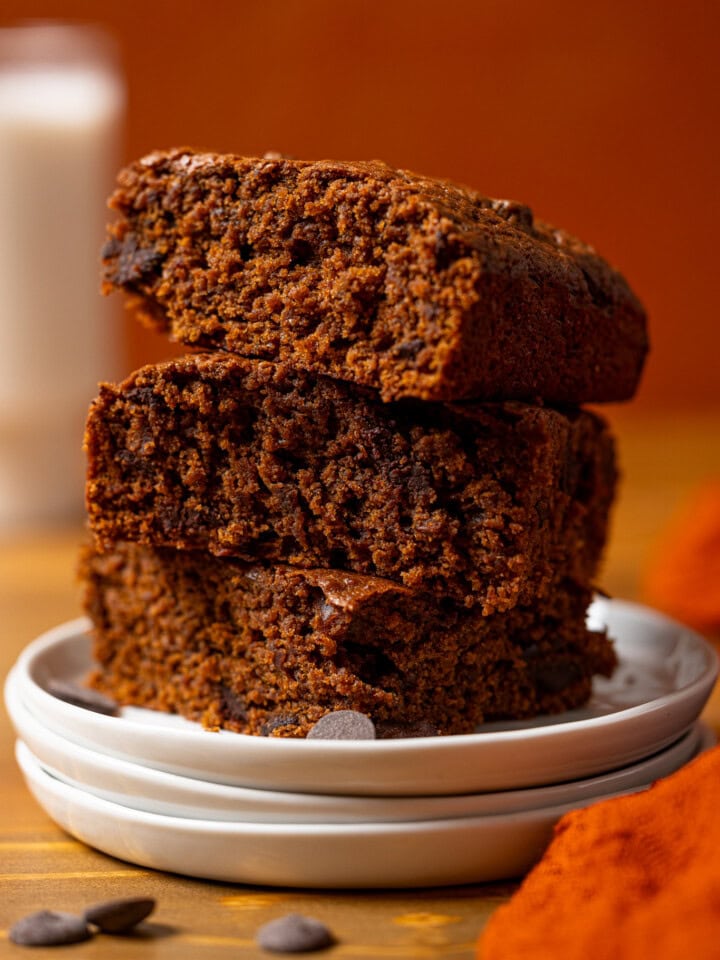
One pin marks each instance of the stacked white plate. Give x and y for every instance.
(160, 792)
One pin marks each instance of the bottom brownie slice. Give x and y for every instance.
(269, 650)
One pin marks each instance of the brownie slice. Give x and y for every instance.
(479, 503)
(416, 287)
(269, 650)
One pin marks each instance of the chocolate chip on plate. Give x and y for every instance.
(119, 916)
(82, 697)
(343, 725)
(294, 933)
(49, 928)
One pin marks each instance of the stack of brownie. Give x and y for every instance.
(371, 484)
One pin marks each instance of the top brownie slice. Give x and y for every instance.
(414, 287)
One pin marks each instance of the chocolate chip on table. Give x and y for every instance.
(119, 916)
(49, 928)
(294, 933)
(82, 697)
(343, 725)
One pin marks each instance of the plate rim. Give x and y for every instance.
(344, 856)
(695, 739)
(310, 830)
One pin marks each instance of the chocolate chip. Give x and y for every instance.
(554, 677)
(409, 349)
(601, 295)
(446, 251)
(294, 934)
(301, 251)
(234, 705)
(133, 263)
(401, 731)
(276, 723)
(48, 928)
(343, 725)
(82, 697)
(119, 916)
(514, 212)
(111, 248)
(542, 509)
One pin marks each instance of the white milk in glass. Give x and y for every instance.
(61, 106)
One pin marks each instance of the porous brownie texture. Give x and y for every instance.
(415, 287)
(479, 503)
(270, 650)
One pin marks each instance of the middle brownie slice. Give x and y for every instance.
(479, 503)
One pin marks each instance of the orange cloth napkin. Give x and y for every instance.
(631, 878)
(683, 576)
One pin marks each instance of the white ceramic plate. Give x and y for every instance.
(155, 791)
(665, 676)
(417, 854)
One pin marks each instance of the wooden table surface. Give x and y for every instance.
(40, 866)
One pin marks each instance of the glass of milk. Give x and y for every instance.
(61, 111)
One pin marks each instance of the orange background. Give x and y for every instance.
(602, 116)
